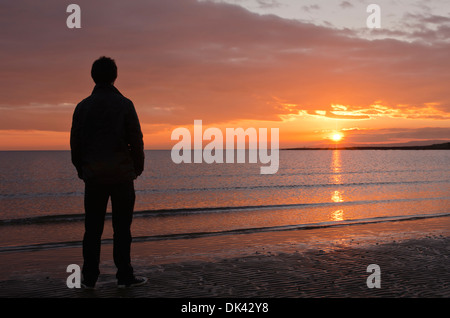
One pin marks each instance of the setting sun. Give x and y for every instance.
(337, 137)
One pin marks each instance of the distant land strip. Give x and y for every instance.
(444, 146)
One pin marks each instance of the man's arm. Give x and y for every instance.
(135, 140)
(75, 141)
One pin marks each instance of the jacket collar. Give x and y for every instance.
(105, 88)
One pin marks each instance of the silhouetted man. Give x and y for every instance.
(107, 151)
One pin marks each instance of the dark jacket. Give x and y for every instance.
(106, 138)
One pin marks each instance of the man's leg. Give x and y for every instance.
(123, 199)
(95, 203)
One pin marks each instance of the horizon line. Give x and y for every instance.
(435, 146)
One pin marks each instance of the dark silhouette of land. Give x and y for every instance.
(443, 146)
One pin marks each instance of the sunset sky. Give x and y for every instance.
(310, 68)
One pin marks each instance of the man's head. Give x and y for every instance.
(104, 71)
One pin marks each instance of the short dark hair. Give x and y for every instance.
(104, 70)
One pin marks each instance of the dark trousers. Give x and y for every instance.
(95, 203)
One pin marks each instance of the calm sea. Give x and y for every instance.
(41, 198)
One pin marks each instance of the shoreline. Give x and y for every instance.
(332, 263)
(439, 146)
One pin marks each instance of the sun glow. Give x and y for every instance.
(337, 137)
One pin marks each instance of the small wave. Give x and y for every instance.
(224, 188)
(287, 186)
(199, 210)
(33, 195)
(312, 226)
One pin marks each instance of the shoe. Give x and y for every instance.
(87, 285)
(133, 282)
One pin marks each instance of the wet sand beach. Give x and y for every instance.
(413, 256)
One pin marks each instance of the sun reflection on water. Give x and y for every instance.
(336, 167)
(336, 178)
(337, 197)
(337, 215)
